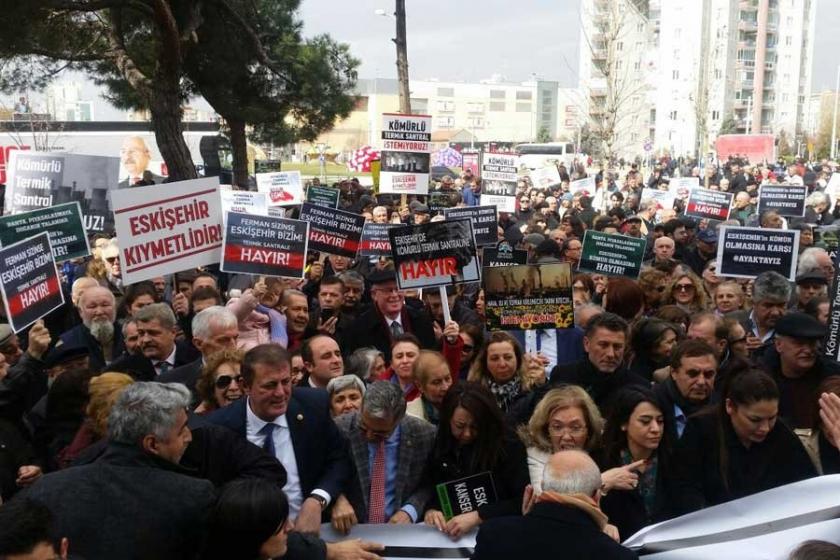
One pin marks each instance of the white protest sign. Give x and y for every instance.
(166, 230)
(406, 154)
(664, 199)
(681, 186)
(545, 177)
(832, 189)
(282, 188)
(244, 202)
(586, 184)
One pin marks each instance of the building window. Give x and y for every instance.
(475, 107)
(523, 107)
(715, 115)
(475, 122)
(446, 92)
(637, 65)
(446, 106)
(675, 75)
(640, 27)
(672, 115)
(419, 106)
(634, 136)
(497, 94)
(445, 122)
(718, 74)
(788, 40)
(618, 64)
(619, 46)
(497, 106)
(523, 95)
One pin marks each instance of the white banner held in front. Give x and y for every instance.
(282, 188)
(166, 230)
(406, 154)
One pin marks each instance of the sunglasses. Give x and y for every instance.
(224, 381)
(111, 259)
(684, 287)
(467, 348)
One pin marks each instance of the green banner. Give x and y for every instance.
(612, 254)
(63, 223)
(323, 196)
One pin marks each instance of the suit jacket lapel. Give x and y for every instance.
(300, 441)
(361, 456)
(404, 462)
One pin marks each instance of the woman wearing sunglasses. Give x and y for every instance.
(219, 384)
(687, 292)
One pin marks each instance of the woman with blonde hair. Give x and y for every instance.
(103, 390)
(433, 377)
(566, 418)
(219, 384)
(502, 367)
(687, 292)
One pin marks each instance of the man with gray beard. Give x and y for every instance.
(98, 331)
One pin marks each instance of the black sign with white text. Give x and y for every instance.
(787, 200)
(264, 245)
(435, 254)
(332, 231)
(747, 252)
(708, 204)
(485, 222)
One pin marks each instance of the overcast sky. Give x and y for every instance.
(469, 40)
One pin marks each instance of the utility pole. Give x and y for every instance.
(402, 59)
(834, 121)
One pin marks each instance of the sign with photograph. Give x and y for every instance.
(747, 252)
(406, 154)
(435, 254)
(485, 222)
(499, 174)
(529, 296)
(585, 185)
(681, 186)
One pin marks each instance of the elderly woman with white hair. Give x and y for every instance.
(818, 209)
(345, 392)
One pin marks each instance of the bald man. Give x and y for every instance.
(663, 250)
(134, 157)
(566, 512)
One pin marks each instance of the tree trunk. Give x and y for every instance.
(169, 135)
(239, 148)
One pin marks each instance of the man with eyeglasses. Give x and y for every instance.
(525, 211)
(390, 451)
(689, 387)
(798, 366)
(388, 317)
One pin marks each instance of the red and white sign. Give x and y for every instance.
(406, 154)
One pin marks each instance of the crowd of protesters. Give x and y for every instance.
(210, 415)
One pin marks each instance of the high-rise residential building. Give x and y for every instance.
(747, 62)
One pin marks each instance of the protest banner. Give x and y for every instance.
(435, 254)
(529, 296)
(466, 494)
(29, 281)
(612, 254)
(831, 342)
(331, 230)
(585, 185)
(832, 189)
(63, 222)
(787, 200)
(545, 177)
(499, 174)
(485, 222)
(708, 204)
(438, 201)
(323, 196)
(375, 240)
(471, 161)
(406, 154)
(664, 200)
(265, 246)
(166, 230)
(42, 179)
(681, 186)
(412, 541)
(766, 525)
(746, 252)
(243, 202)
(503, 254)
(282, 188)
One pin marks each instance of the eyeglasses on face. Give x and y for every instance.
(224, 381)
(684, 287)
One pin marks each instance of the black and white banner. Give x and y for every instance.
(747, 252)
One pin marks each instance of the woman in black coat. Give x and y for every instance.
(635, 435)
(738, 448)
(473, 438)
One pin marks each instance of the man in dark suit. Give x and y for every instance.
(213, 329)
(134, 157)
(136, 495)
(387, 317)
(390, 452)
(294, 426)
(771, 293)
(156, 330)
(98, 332)
(566, 512)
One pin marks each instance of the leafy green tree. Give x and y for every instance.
(543, 135)
(728, 126)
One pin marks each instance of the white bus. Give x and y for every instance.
(537, 156)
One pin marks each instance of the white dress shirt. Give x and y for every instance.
(285, 452)
(169, 360)
(547, 345)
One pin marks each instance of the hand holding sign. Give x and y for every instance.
(435, 518)
(39, 340)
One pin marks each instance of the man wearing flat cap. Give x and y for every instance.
(796, 363)
(808, 286)
(9, 345)
(387, 318)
